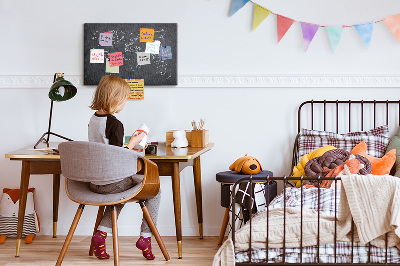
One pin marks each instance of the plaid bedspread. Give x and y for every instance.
(326, 252)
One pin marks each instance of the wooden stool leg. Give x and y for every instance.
(223, 227)
(98, 220)
(70, 234)
(154, 230)
(115, 235)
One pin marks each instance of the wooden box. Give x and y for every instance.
(170, 138)
(199, 138)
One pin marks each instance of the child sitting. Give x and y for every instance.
(110, 98)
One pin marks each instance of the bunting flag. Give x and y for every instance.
(309, 31)
(335, 35)
(365, 32)
(283, 24)
(236, 5)
(393, 23)
(260, 13)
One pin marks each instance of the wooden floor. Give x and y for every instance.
(44, 250)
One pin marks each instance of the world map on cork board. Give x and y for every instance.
(146, 51)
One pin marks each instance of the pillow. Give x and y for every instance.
(394, 143)
(377, 139)
(380, 166)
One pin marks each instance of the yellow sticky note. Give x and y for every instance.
(146, 35)
(137, 89)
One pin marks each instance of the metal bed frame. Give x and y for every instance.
(337, 109)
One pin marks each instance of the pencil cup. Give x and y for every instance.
(200, 138)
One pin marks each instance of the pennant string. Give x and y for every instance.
(345, 26)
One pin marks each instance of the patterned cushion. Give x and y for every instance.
(377, 139)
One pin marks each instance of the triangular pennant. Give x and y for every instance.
(283, 24)
(365, 32)
(335, 35)
(236, 5)
(393, 23)
(260, 13)
(309, 31)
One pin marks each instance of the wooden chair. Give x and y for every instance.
(83, 162)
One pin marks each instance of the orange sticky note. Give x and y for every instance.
(137, 89)
(146, 35)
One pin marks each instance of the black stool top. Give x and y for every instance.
(230, 177)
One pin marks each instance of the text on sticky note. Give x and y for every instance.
(165, 52)
(97, 56)
(146, 35)
(116, 59)
(143, 58)
(105, 39)
(137, 89)
(153, 47)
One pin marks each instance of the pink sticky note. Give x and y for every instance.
(116, 59)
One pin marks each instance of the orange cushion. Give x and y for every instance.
(380, 166)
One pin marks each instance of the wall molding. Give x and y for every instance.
(243, 81)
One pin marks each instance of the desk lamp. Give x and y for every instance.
(61, 90)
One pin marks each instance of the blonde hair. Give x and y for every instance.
(109, 93)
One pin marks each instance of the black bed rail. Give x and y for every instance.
(347, 109)
(285, 180)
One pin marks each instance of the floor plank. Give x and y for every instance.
(44, 251)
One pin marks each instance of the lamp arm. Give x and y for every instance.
(51, 114)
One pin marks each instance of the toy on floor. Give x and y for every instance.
(246, 165)
(9, 205)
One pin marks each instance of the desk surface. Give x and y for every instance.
(163, 152)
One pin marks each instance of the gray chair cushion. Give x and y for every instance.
(80, 192)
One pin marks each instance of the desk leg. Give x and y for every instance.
(25, 175)
(176, 190)
(56, 199)
(197, 187)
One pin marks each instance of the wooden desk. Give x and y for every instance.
(170, 162)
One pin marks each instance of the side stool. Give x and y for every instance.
(228, 178)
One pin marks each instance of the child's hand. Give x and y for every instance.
(135, 139)
(142, 150)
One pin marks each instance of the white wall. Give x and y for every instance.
(40, 38)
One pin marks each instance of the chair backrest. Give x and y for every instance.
(93, 162)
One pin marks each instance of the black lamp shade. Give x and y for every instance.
(62, 90)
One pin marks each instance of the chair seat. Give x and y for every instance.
(80, 192)
(230, 177)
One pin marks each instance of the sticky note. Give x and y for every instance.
(165, 52)
(143, 58)
(153, 47)
(97, 56)
(116, 59)
(146, 35)
(137, 89)
(105, 39)
(111, 69)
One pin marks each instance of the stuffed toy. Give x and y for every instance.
(9, 205)
(246, 165)
(180, 140)
(350, 166)
(380, 166)
(298, 170)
